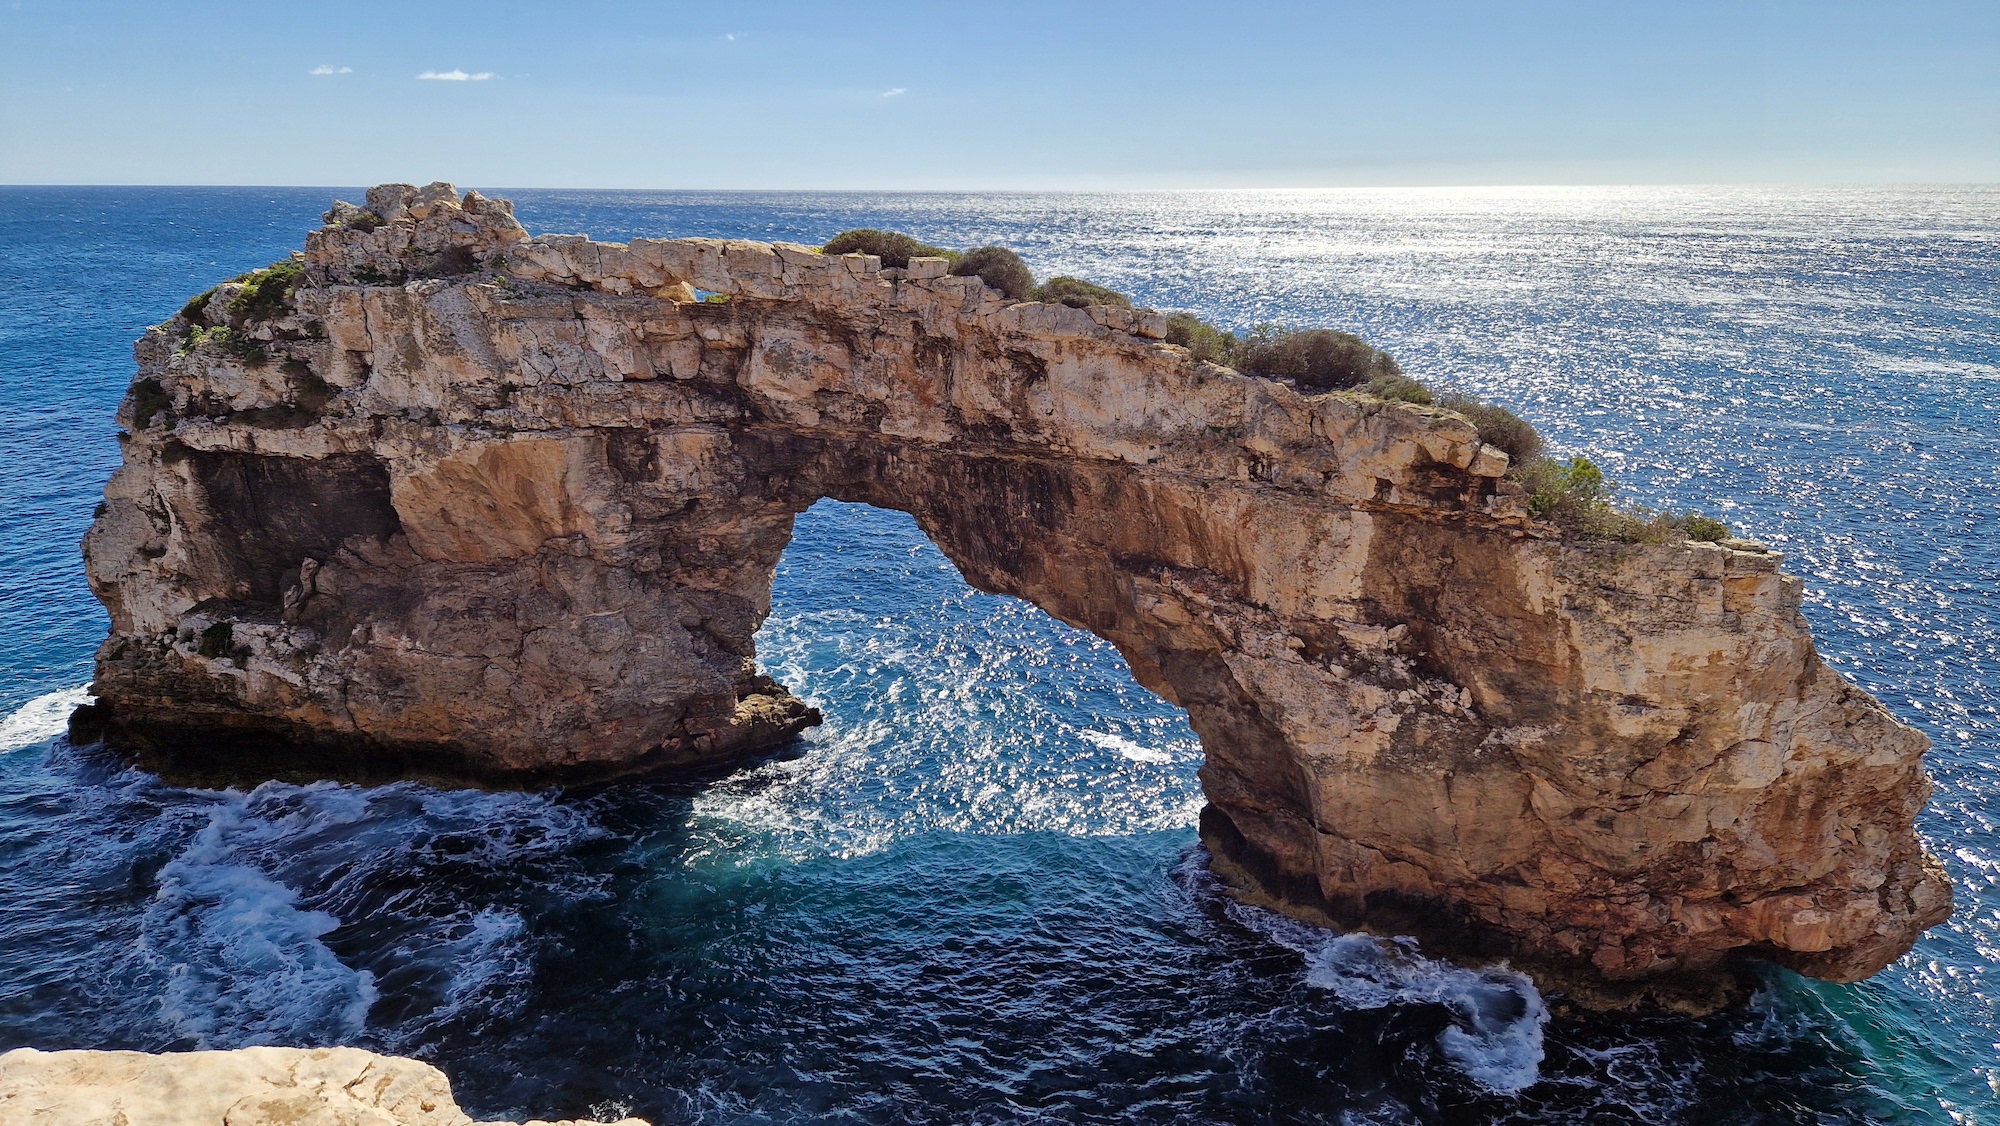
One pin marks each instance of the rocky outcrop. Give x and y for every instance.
(246, 1087)
(481, 502)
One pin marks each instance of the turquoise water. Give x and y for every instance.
(976, 895)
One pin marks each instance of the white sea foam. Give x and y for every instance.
(42, 718)
(1125, 748)
(1497, 1014)
(237, 960)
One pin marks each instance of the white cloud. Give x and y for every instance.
(730, 36)
(453, 76)
(893, 93)
(331, 70)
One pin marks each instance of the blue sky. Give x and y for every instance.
(1018, 95)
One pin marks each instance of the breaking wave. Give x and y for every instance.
(236, 960)
(42, 718)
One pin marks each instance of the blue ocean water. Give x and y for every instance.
(975, 895)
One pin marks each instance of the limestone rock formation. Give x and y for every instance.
(246, 1087)
(483, 502)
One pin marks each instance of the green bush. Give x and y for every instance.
(1318, 359)
(246, 348)
(1576, 498)
(1704, 528)
(998, 267)
(894, 248)
(1079, 294)
(1399, 388)
(195, 311)
(1207, 342)
(266, 291)
(1500, 428)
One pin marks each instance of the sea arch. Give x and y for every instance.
(477, 501)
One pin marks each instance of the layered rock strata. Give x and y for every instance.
(245, 1087)
(484, 502)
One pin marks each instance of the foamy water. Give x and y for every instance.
(42, 718)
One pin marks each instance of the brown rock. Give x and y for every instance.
(522, 522)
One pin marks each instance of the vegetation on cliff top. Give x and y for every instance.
(1079, 294)
(264, 294)
(998, 267)
(266, 291)
(894, 248)
(1574, 496)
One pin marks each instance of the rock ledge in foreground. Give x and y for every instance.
(245, 1087)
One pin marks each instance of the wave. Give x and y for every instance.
(237, 961)
(42, 718)
(1497, 1015)
(1125, 748)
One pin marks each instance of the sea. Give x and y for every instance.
(976, 895)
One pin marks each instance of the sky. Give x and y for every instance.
(1027, 95)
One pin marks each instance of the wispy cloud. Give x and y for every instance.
(897, 92)
(730, 36)
(453, 76)
(331, 70)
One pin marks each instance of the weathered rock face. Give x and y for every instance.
(246, 1087)
(522, 520)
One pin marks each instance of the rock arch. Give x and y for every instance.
(480, 502)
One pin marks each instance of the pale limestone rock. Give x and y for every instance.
(522, 521)
(245, 1087)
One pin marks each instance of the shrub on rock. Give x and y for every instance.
(1317, 359)
(1208, 343)
(998, 267)
(1498, 427)
(894, 248)
(1395, 387)
(265, 291)
(1079, 294)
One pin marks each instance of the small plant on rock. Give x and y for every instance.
(1704, 528)
(1079, 294)
(894, 248)
(1204, 341)
(1395, 387)
(1317, 359)
(266, 292)
(1498, 427)
(195, 312)
(999, 268)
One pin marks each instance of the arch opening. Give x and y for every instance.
(948, 708)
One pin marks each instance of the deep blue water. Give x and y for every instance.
(975, 895)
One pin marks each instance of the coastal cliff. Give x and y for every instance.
(467, 502)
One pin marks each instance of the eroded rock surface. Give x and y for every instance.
(513, 506)
(245, 1087)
